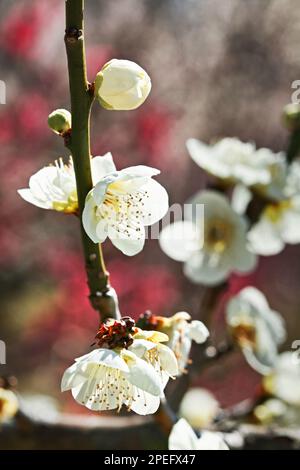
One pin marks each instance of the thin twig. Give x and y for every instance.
(102, 296)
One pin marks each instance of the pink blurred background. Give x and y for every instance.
(218, 69)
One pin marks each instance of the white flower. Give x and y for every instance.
(182, 437)
(147, 345)
(122, 85)
(199, 407)
(256, 328)
(125, 370)
(122, 203)
(180, 330)
(284, 380)
(53, 187)
(236, 161)
(278, 224)
(106, 379)
(211, 248)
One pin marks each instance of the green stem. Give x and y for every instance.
(102, 296)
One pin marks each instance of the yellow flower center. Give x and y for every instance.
(274, 212)
(245, 335)
(217, 235)
(69, 207)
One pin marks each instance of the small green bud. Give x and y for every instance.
(60, 121)
(291, 116)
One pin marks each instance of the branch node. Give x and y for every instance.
(72, 34)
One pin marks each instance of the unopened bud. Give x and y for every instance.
(60, 121)
(122, 85)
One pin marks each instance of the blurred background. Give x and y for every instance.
(218, 69)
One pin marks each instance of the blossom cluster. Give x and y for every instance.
(229, 239)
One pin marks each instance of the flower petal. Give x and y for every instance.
(198, 331)
(102, 166)
(89, 218)
(144, 376)
(203, 268)
(156, 204)
(265, 239)
(130, 242)
(144, 403)
(179, 240)
(28, 196)
(182, 437)
(168, 360)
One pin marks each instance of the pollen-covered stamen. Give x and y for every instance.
(110, 389)
(116, 333)
(125, 212)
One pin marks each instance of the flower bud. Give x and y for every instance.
(122, 85)
(291, 116)
(60, 121)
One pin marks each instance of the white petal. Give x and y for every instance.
(43, 178)
(28, 196)
(205, 157)
(157, 204)
(101, 230)
(244, 261)
(89, 218)
(141, 346)
(265, 239)
(205, 269)
(109, 358)
(240, 199)
(198, 331)
(211, 441)
(102, 166)
(128, 243)
(179, 240)
(143, 375)
(100, 189)
(139, 171)
(182, 437)
(168, 360)
(144, 403)
(290, 226)
(73, 376)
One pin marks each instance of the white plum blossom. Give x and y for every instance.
(284, 380)
(53, 187)
(256, 328)
(147, 345)
(122, 85)
(106, 379)
(278, 225)
(199, 407)
(211, 248)
(125, 370)
(182, 437)
(122, 203)
(180, 331)
(240, 162)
